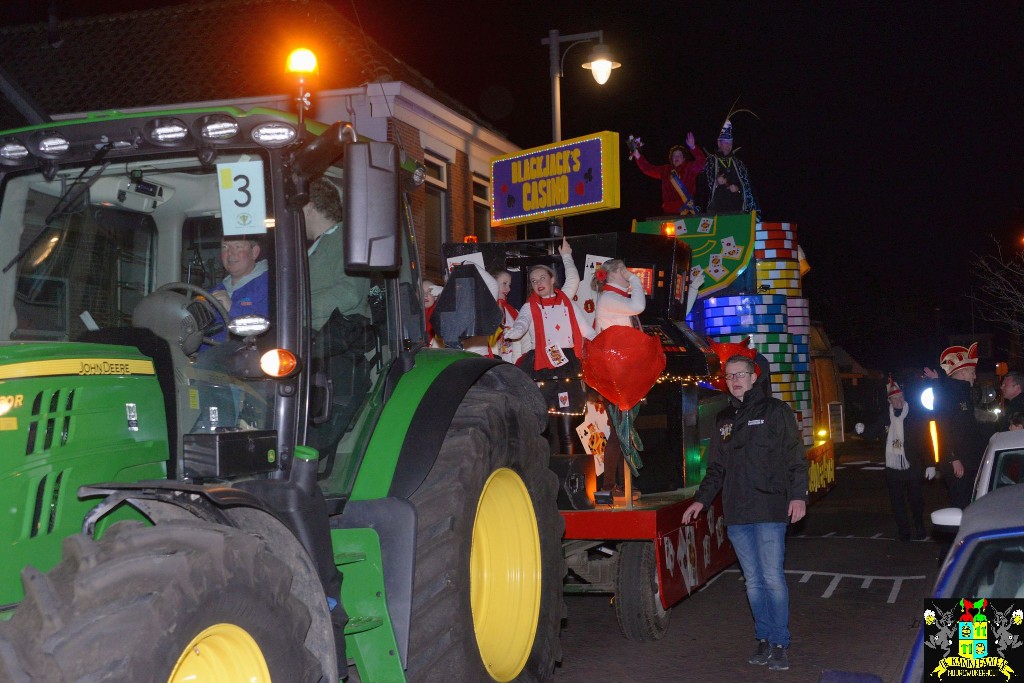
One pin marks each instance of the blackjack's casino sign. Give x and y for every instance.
(569, 177)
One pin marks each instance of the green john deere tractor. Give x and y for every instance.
(197, 493)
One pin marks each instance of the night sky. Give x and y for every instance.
(891, 133)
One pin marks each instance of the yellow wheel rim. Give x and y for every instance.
(222, 653)
(505, 575)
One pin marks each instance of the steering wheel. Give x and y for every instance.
(205, 298)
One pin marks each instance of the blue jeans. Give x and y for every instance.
(761, 549)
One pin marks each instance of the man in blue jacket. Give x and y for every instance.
(245, 289)
(757, 460)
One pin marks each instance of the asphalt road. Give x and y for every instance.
(856, 599)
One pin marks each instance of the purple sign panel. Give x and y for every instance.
(572, 176)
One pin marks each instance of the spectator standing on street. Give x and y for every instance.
(1012, 390)
(757, 460)
(906, 457)
(961, 438)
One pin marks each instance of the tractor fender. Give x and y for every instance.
(304, 516)
(436, 410)
(207, 503)
(296, 534)
(394, 520)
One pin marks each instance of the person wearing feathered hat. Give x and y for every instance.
(678, 177)
(726, 181)
(962, 438)
(906, 459)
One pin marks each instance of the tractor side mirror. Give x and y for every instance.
(372, 204)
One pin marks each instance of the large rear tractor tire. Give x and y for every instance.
(181, 601)
(638, 605)
(487, 600)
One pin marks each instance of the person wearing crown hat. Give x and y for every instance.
(678, 177)
(962, 438)
(726, 181)
(906, 459)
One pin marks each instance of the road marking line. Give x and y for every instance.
(832, 534)
(866, 580)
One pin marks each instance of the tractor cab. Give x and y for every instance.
(125, 232)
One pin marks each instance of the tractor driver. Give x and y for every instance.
(244, 290)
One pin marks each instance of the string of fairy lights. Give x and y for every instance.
(664, 378)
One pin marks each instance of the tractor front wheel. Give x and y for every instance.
(180, 601)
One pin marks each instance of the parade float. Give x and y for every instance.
(638, 549)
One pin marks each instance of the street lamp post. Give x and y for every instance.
(600, 64)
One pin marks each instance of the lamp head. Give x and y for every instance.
(302, 63)
(601, 63)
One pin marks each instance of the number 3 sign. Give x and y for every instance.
(243, 204)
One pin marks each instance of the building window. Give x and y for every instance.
(481, 209)
(436, 204)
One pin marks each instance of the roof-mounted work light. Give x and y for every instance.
(303, 65)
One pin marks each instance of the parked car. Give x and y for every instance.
(986, 559)
(1002, 465)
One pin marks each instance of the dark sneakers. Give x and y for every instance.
(762, 654)
(779, 660)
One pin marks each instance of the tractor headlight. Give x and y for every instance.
(274, 134)
(167, 131)
(50, 145)
(218, 127)
(13, 151)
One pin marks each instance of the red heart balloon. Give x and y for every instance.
(622, 364)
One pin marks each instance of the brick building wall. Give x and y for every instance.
(407, 138)
(459, 209)
(460, 190)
